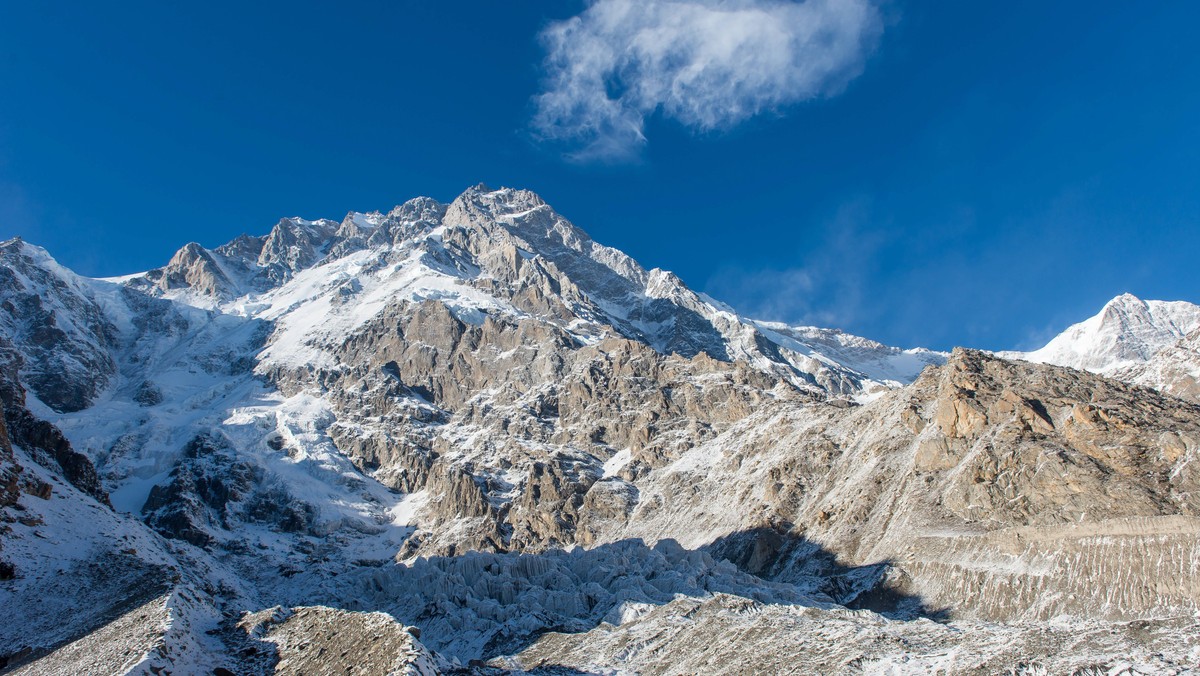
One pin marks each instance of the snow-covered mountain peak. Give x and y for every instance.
(490, 252)
(53, 318)
(33, 255)
(1125, 300)
(1126, 331)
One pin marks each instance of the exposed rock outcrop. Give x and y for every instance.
(195, 268)
(211, 491)
(319, 640)
(292, 245)
(48, 315)
(994, 489)
(10, 471)
(42, 440)
(415, 387)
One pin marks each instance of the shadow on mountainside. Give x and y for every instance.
(778, 556)
(478, 606)
(73, 604)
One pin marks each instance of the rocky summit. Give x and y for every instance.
(467, 438)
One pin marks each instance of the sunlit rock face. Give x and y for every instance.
(472, 422)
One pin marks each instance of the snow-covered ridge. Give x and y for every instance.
(319, 279)
(1126, 332)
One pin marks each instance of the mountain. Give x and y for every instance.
(472, 433)
(1151, 343)
(1127, 331)
(504, 253)
(1174, 369)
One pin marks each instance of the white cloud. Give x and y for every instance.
(709, 64)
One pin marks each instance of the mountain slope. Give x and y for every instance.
(57, 325)
(1174, 369)
(1126, 331)
(476, 419)
(494, 252)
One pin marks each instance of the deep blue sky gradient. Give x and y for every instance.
(997, 172)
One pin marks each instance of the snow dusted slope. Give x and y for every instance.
(206, 393)
(53, 319)
(884, 367)
(473, 417)
(500, 252)
(1127, 331)
(1174, 370)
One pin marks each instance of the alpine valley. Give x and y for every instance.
(466, 438)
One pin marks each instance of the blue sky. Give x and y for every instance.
(939, 174)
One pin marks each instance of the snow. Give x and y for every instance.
(306, 315)
(521, 214)
(1126, 332)
(405, 511)
(617, 463)
(366, 221)
(121, 279)
(888, 367)
(131, 495)
(77, 560)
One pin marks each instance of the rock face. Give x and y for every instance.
(10, 471)
(1174, 370)
(50, 316)
(318, 640)
(992, 489)
(42, 440)
(292, 245)
(473, 418)
(524, 458)
(211, 491)
(193, 267)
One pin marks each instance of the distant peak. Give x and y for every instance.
(1127, 330)
(417, 205)
(15, 245)
(1126, 299)
(19, 245)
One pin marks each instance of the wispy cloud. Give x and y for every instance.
(709, 64)
(829, 285)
